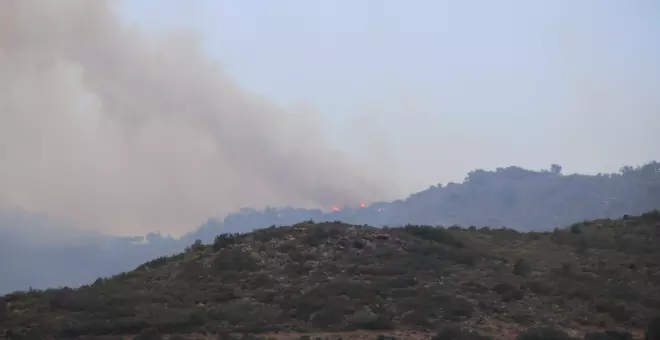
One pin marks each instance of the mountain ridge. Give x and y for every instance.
(547, 199)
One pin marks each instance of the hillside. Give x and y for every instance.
(335, 277)
(514, 197)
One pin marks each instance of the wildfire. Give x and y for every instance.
(361, 205)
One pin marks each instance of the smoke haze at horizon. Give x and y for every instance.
(128, 132)
(120, 132)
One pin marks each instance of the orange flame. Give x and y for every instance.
(363, 205)
(334, 208)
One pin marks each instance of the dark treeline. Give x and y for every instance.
(513, 197)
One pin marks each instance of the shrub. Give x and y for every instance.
(608, 335)
(369, 321)
(416, 318)
(575, 229)
(544, 333)
(148, 334)
(223, 240)
(235, 260)
(617, 311)
(196, 246)
(457, 308)
(503, 287)
(155, 263)
(513, 295)
(439, 235)
(653, 330)
(457, 333)
(316, 236)
(330, 314)
(378, 323)
(521, 268)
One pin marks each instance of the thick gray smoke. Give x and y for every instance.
(128, 134)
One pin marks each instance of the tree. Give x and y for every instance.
(556, 169)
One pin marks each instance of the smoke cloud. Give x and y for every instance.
(128, 134)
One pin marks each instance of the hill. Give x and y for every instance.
(514, 197)
(336, 277)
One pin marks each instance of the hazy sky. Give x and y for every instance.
(163, 113)
(442, 87)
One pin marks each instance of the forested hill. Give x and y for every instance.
(513, 197)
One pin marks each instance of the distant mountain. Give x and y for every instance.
(513, 197)
(334, 277)
(38, 252)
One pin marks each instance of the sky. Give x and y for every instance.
(137, 116)
(448, 85)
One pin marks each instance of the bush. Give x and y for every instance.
(196, 246)
(544, 333)
(521, 268)
(331, 314)
(458, 333)
(513, 295)
(653, 330)
(223, 240)
(416, 318)
(376, 324)
(368, 321)
(316, 236)
(439, 235)
(617, 311)
(503, 288)
(608, 335)
(148, 334)
(155, 263)
(575, 229)
(235, 260)
(458, 308)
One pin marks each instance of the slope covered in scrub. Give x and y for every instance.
(333, 277)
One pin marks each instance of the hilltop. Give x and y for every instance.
(336, 277)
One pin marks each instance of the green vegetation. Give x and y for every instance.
(528, 200)
(333, 277)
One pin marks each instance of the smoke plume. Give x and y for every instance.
(127, 134)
